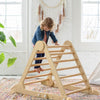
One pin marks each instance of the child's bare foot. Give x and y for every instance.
(38, 70)
(41, 69)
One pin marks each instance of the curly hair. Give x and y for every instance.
(47, 22)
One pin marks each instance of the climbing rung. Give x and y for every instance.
(35, 81)
(38, 76)
(35, 71)
(75, 91)
(70, 76)
(74, 83)
(60, 69)
(56, 69)
(58, 46)
(61, 53)
(59, 61)
(39, 64)
(55, 51)
(40, 58)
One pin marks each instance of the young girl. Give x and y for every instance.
(44, 30)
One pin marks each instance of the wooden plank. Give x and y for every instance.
(43, 95)
(74, 83)
(28, 77)
(75, 91)
(35, 81)
(71, 75)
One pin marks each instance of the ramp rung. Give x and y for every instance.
(70, 76)
(35, 81)
(37, 76)
(75, 91)
(61, 53)
(74, 83)
(58, 46)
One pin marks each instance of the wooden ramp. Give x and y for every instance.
(41, 47)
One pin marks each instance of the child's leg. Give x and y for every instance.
(38, 61)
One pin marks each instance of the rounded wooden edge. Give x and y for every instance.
(40, 45)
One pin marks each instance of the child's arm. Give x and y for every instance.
(54, 38)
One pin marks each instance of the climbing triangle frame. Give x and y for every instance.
(41, 47)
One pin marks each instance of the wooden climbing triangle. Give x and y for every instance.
(41, 47)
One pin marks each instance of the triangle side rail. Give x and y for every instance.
(80, 68)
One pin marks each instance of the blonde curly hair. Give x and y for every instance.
(47, 22)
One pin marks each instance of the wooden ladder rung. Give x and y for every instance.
(59, 61)
(61, 53)
(75, 91)
(35, 70)
(37, 76)
(60, 69)
(55, 51)
(74, 83)
(40, 58)
(70, 75)
(39, 64)
(35, 81)
(58, 46)
(56, 69)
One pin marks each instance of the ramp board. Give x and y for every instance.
(41, 47)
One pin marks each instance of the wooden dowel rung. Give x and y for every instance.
(58, 46)
(67, 68)
(40, 58)
(74, 83)
(35, 70)
(38, 76)
(35, 81)
(55, 51)
(70, 76)
(39, 64)
(75, 91)
(40, 52)
(59, 61)
(61, 53)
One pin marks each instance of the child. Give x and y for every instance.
(44, 30)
